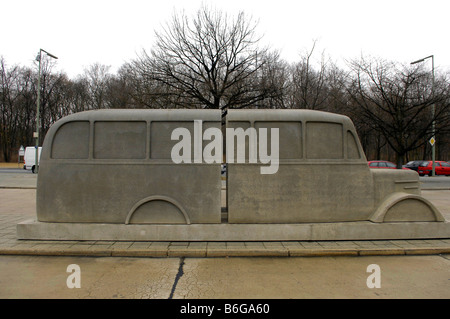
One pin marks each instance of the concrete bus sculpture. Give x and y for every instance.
(116, 167)
(156, 175)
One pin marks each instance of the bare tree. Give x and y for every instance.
(26, 106)
(395, 101)
(206, 61)
(272, 79)
(97, 77)
(51, 94)
(79, 95)
(143, 90)
(309, 86)
(9, 116)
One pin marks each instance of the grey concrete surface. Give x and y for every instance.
(12, 175)
(225, 278)
(322, 175)
(19, 178)
(324, 277)
(116, 167)
(102, 170)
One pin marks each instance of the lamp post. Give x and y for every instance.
(433, 125)
(36, 134)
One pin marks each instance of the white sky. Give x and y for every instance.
(112, 32)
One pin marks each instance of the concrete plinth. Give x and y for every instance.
(363, 230)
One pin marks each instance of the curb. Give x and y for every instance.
(172, 252)
(17, 187)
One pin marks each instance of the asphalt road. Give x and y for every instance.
(14, 171)
(17, 178)
(435, 182)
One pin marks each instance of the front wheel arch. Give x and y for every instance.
(404, 207)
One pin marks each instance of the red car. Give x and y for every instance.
(383, 164)
(440, 167)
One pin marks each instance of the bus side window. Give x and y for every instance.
(120, 140)
(324, 140)
(290, 138)
(71, 141)
(161, 142)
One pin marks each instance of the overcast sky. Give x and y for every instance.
(111, 32)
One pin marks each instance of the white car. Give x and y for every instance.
(30, 158)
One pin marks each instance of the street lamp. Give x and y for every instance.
(36, 134)
(433, 125)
